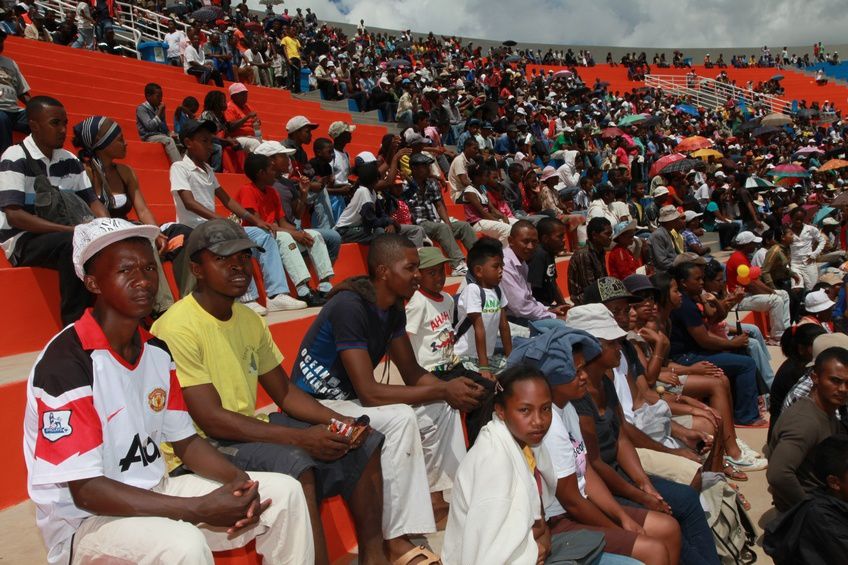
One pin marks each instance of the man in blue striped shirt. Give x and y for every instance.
(29, 240)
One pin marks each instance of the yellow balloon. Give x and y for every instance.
(743, 270)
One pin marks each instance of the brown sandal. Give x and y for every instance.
(734, 473)
(430, 558)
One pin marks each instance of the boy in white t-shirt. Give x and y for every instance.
(481, 313)
(430, 325)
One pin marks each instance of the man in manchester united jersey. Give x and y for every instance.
(101, 398)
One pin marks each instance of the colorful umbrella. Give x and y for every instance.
(758, 183)
(563, 73)
(688, 109)
(776, 120)
(833, 164)
(610, 133)
(706, 154)
(694, 143)
(663, 162)
(789, 171)
(631, 119)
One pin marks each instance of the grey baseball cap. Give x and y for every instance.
(221, 237)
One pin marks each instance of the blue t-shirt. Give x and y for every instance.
(347, 321)
(684, 317)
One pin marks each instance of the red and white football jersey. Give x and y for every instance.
(90, 413)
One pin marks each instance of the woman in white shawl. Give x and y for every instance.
(504, 482)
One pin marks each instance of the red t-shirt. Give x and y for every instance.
(264, 203)
(738, 258)
(234, 113)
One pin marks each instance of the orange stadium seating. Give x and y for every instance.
(91, 83)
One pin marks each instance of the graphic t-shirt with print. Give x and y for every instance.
(429, 323)
(468, 302)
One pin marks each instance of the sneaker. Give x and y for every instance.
(747, 450)
(460, 270)
(284, 302)
(313, 299)
(256, 307)
(747, 463)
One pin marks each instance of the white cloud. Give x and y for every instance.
(626, 23)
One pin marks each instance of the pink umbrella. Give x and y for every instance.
(663, 162)
(562, 73)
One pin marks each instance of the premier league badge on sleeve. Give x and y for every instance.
(56, 424)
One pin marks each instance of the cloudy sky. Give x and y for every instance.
(637, 23)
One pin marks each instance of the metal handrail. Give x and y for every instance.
(711, 93)
(129, 37)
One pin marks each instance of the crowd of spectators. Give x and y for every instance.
(602, 443)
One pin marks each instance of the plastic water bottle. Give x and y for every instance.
(257, 129)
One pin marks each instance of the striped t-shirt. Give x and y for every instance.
(17, 187)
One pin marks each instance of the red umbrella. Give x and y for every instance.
(663, 162)
(694, 143)
(610, 133)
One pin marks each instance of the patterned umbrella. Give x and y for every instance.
(758, 183)
(681, 166)
(694, 143)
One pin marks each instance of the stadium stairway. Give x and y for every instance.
(798, 85)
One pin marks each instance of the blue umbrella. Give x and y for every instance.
(777, 78)
(688, 109)
(823, 213)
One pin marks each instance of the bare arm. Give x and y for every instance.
(21, 219)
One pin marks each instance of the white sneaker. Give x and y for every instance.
(256, 307)
(284, 302)
(747, 451)
(747, 463)
(460, 270)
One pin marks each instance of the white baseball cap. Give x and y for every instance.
(818, 301)
(595, 319)
(747, 237)
(298, 122)
(99, 233)
(691, 215)
(271, 148)
(660, 191)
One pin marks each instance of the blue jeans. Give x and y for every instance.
(322, 210)
(613, 559)
(742, 372)
(217, 156)
(759, 352)
(698, 546)
(332, 240)
(9, 122)
(273, 274)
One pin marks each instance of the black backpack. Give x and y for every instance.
(52, 204)
(465, 324)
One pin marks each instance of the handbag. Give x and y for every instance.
(53, 204)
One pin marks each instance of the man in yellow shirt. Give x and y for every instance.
(291, 50)
(222, 351)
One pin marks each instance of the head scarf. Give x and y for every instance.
(87, 132)
(87, 136)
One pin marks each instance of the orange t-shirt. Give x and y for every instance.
(234, 113)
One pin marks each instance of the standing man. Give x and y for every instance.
(13, 88)
(427, 208)
(291, 51)
(102, 397)
(152, 122)
(30, 240)
(806, 247)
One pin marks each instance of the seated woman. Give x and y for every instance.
(797, 346)
(101, 143)
(613, 457)
(214, 106)
(583, 501)
(702, 380)
(504, 483)
(691, 342)
(480, 212)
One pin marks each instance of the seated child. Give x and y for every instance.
(483, 305)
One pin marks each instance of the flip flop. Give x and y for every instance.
(734, 474)
(430, 558)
